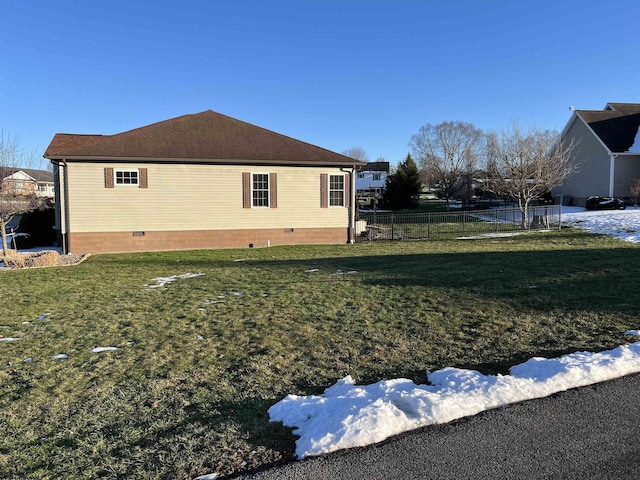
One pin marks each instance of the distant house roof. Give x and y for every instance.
(42, 176)
(201, 137)
(374, 167)
(616, 125)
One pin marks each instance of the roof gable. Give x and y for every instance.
(28, 174)
(616, 126)
(200, 137)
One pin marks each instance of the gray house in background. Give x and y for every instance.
(607, 151)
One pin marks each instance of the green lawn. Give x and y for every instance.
(188, 389)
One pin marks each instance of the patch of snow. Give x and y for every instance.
(347, 415)
(103, 349)
(213, 302)
(9, 339)
(28, 360)
(635, 333)
(208, 476)
(60, 356)
(240, 260)
(313, 270)
(623, 224)
(163, 281)
(44, 315)
(636, 143)
(350, 272)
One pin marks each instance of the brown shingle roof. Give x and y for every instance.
(375, 167)
(202, 137)
(616, 128)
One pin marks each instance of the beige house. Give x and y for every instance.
(607, 151)
(199, 181)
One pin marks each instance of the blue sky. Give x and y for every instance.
(335, 73)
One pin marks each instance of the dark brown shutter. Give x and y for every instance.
(142, 178)
(324, 190)
(347, 190)
(108, 177)
(273, 190)
(246, 190)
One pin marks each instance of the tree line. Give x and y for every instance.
(521, 163)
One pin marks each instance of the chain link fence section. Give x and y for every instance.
(455, 224)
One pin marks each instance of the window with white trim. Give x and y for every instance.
(260, 189)
(361, 175)
(377, 176)
(126, 177)
(336, 190)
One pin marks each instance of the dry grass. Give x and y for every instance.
(188, 390)
(45, 258)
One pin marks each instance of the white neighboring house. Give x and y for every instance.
(371, 179)
(26, 181)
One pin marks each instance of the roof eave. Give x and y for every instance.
(216, 161)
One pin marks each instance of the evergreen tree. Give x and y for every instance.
(403, 186)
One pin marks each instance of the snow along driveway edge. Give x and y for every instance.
(348, 415)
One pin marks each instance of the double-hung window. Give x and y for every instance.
(260, 189)
(336, 190)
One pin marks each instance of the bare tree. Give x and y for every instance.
(358, 153)
(526, 164)
(15, 198)
(447, 152)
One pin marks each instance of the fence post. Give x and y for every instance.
(392, 225)
(428, 225)
(496, 221)
(464, 222)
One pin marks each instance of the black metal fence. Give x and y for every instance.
(373, 226)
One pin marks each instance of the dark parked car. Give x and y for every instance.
(18, 241)
(604, 203)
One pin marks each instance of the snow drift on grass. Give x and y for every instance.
(9, 339)
(623, 224)
(348, 415)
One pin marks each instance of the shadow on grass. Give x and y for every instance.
(600, 280)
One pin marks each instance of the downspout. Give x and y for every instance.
(612, 172)
(352, 204)
(62, 200)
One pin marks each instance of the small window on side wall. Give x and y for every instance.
(113, 178)
(126, 177)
